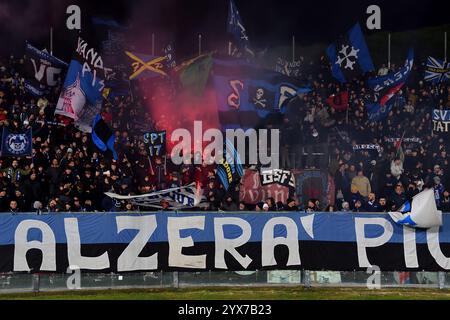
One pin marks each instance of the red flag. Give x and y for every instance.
(339, 101)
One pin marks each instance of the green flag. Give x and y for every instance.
(194, 73)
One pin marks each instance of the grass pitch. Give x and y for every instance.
(239, 293)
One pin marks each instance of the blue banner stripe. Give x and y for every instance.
(102, 228)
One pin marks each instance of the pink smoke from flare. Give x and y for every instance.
(171, 113)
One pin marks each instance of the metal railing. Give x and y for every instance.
(22, 283)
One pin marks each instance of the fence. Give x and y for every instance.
(23, 283)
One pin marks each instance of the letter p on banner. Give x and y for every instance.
(374, 281)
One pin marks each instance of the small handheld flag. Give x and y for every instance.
(103, 136)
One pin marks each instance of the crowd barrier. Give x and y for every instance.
(123, 250)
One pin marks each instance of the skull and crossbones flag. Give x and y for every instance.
(349, 56)
(261, 98)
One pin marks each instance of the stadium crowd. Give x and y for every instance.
(67, 173)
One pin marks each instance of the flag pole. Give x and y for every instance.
(346, 115)
(445, 46)
(293, 49)
(152, 172)
(153, 44)
(389, 51)
(131, 91)
(51, 40)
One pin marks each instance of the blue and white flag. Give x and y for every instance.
(16, 144)
(42, 70)
(237, 30)
(81, 92)
(349, 56)
(437, 71)
(81, 98)
(421, 212)
(378, 84)
(385, 89)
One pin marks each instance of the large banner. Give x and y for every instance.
(257, 187)
(441, 120)
(109, 242)
(247, 94)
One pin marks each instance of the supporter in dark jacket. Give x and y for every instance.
(229, 204)
(398, 198)
(372, 205)
(355, 196)
(291, 205)
(445, 203)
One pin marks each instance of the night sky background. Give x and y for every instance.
(269, 23)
